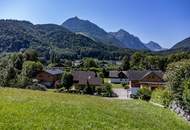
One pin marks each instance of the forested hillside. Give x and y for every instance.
(47, 38)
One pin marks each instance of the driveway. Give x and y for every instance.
(121, 93)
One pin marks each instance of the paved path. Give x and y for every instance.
(121, 93)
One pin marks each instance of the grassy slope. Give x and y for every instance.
(25, 109)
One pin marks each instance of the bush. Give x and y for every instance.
(186, 93)
(166, 97)
(99, 90)
(157, 96)
(37, 87)
(67, 81)
(89, 90)
(177, 76)
(125, 85)
(144, 93)
(107, 91)
(161, 96)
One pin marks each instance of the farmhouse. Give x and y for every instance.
(137, 79)
(82, 78)
(49, 77)
(146, 78)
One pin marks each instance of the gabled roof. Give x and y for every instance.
(54, 71)
(138, 74)
(82, 77)
(115, 74)
(135, 74)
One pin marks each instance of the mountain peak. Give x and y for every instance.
(129, 40)
(122, 30)
(153, 46)
(90, 29)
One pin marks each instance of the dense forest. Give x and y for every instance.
(17, 36)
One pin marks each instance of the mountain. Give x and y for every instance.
(184, 44)
(91, 30)
(153, 46)
(45, 38)
(129, 40)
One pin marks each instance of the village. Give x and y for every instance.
(94, 65)
(129, 81)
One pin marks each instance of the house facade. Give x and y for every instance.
(118, 77)
(49, 77)
(145, 78)
(83, 78)
(137, 79)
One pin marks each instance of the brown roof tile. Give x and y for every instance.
(82, 77)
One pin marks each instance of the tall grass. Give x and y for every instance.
(34, 110)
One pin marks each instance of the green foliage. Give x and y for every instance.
(144, 93)
(175, 75)
(67, 80)
(125, 63)
(30, 68)
(105, 73)
(89, 62)
(21, 35)
(161, 96)
(178, 56)
(137, 61)
(88, 89)
(30, 55)
(17, 60)
(22, 81)
(125, 85)
(108, 90)
(166, 97)
(186, 93)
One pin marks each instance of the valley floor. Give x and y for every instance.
(27, 110)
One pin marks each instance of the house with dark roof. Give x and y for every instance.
(82, 78)
(137, 79)
(118, 77)
(49, 77)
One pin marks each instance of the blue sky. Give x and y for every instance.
(163, 21)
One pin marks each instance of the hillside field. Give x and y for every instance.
(35, 110)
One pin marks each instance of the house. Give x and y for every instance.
(83, 78)
(118, 77)
(145, 78)
(49, 77)
(137, 79)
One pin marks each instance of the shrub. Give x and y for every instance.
(166, 97)
(89, 90)
(186, 93)
(177, 76)
(107, 90)
(67, 81)
(157, 96)
(99, 90)
(125, 85)
(161, 96)
(30, 68)
(37, 87)
(144, 93)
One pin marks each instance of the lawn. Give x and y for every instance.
(113, 85)
(35, 110)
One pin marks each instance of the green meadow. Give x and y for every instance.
(35, 110)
